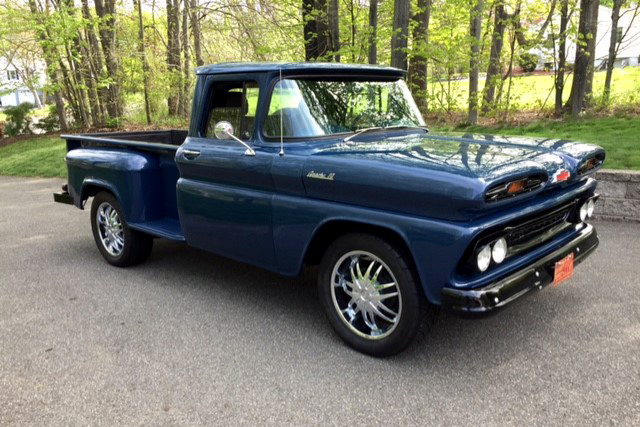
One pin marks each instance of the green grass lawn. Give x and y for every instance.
(43, 156)
(531, 93)
(620, 136)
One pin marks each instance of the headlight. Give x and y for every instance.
(499, 251)
(584, 211)
(591, 204)
(484, 258)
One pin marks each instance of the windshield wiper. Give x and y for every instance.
(424, 128)
(361, 131)
(374, 128)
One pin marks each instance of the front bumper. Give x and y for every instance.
(489, 298)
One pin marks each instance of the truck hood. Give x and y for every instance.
(444, 176)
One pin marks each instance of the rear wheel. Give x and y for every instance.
(370, 294)
(118, 244)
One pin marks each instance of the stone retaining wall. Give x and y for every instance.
(619, 195)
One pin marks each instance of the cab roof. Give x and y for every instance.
(321, 68)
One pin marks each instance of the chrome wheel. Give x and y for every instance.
(110, 229)
(366, 295)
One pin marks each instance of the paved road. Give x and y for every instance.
(193, 339)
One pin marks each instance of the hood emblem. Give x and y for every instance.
(561, 176)
(321, 175)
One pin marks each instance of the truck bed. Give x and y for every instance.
(157, 139)
(156, 185)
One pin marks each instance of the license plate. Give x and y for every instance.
(563, 270)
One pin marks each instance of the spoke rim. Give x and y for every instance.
(110, 229)
(366, 295)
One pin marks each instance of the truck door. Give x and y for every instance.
(224, 196)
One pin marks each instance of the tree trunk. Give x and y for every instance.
(400, 34)
(373, 31)
(95, 64)
(613, 48)
(418, 67)
(475, 30)
(494, 71)
(173, 56)
(581, 63)
(316, 29)
(562, 56)
(143, 58)
(186, 75)
(591, 46)
(106, 9)
(334, 29)
(195, 28)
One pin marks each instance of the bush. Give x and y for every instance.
(50, 123)
(2, 125)
(19, 119)
(527, 61)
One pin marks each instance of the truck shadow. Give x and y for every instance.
(292, 305)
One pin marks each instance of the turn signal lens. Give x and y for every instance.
(516, 187)
(591, 205)
(584, 212)
(499, 251)
(484, 258)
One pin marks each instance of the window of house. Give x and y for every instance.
(235, 102)
(618, 34)
(12, 74)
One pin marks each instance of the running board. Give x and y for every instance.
(166, 228)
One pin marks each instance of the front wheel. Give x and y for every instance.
(118, 244)
(370, 294)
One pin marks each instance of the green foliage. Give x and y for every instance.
(18, 119)
(50, 122)
(527, 61)
(34, 157)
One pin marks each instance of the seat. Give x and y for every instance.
(232, 107)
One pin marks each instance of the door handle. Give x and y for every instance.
(190, 154)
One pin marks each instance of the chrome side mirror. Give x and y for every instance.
(224, 130)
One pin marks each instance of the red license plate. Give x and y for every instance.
(563, 270)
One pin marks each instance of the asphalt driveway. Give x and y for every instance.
(189, 338)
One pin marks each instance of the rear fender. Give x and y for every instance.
(134, 178)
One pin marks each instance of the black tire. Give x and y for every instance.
(136, 246)
(409, 307)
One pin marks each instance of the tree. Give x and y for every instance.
(315, 29)
(419, 59)
(615, 42)
(143, 58)
(173, 57)
(195, 28)
(49, 58)
(562, 56)
(373, 32)
(400, 34)
(475, 30)
(334, 29)
(106, 11)
(586, 35)
(495, 57)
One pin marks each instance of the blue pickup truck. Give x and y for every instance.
(293, 164)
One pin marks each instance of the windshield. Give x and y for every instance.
(310, 108)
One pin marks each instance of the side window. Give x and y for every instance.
(236, 103)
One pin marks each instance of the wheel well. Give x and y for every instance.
(91, 190)
(329, 232)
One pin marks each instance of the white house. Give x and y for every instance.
(13, 90)
(628, 53)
